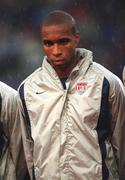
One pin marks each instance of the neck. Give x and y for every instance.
(63, 73)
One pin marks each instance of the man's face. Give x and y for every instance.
(59, 44)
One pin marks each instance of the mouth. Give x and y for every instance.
(58, 60)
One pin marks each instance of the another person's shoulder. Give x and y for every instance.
(8, 98)
(6, 90)
(123, 75)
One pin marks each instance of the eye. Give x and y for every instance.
(63, 41)
(47, 43)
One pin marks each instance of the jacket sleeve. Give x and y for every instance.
(117, 112)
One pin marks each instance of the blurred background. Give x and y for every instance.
(101, 24)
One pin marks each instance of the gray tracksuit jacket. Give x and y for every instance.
(72, 133)
(12, 162)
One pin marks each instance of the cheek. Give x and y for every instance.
(70, 51)
(47, 52)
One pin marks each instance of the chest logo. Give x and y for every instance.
(81, 87)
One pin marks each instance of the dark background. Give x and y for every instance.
(101, 23)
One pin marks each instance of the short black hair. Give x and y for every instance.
(58, 17)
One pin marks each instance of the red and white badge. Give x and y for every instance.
(81, 87)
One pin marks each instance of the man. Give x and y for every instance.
(72, 108)
(12, 163)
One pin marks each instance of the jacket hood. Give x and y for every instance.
(85, 59)
(84, 53)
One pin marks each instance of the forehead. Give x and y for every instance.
(55, 31)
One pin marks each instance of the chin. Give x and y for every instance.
(60, 65)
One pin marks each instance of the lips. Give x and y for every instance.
(58, 60)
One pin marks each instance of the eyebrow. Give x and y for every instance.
(61, 41)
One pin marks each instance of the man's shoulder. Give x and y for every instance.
(32, 77)
(114, 81)
(100, 69)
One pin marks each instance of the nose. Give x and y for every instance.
(56, 50)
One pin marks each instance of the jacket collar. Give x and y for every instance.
(85, 59)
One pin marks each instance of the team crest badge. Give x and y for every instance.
(81, 87)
